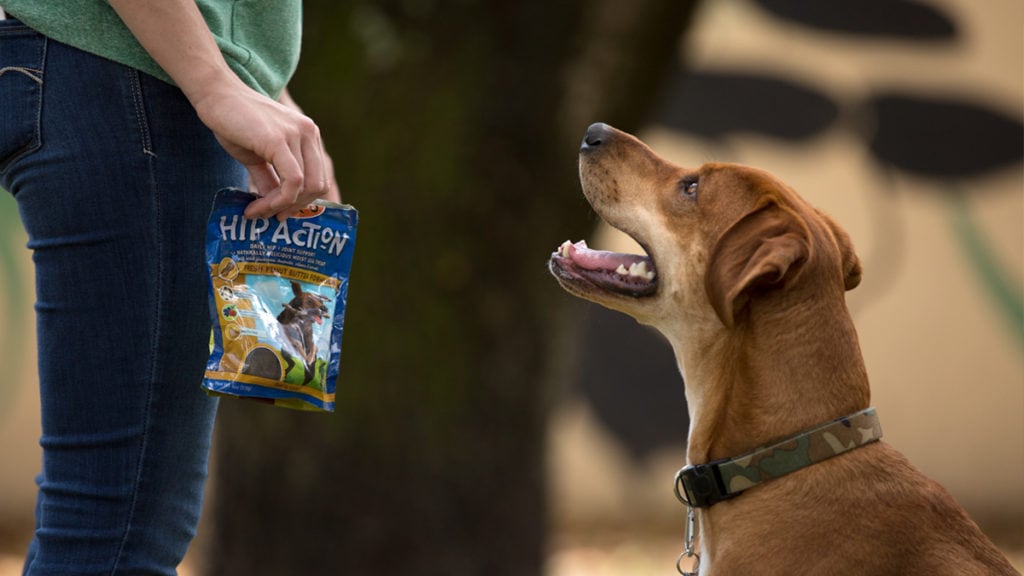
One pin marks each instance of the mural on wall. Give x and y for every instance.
(932, 134)
(897, 19)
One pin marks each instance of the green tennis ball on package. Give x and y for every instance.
(277, 301)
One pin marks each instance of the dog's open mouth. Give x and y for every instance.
(626, 274)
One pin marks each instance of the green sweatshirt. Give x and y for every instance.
(260, 39)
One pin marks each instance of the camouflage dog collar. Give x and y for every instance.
(706, 484)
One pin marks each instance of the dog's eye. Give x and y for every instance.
(688, 186)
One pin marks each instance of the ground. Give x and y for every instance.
(576, 554)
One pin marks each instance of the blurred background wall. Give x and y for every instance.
(902, 119)
(20, 455)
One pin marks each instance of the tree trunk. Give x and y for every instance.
(454, 128)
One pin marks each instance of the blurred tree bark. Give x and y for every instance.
(454, 128)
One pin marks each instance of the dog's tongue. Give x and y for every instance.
(584, 257)
(318, 319)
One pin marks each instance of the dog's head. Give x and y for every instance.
(716, 237)
(304, 306)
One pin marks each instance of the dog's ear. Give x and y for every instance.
(296, 289)
(852, 270)
(760, 252)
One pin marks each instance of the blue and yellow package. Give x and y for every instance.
(277, 301)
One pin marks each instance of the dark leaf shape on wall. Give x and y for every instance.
(715, 104)
(942, 137)
(630, 379)
(875, 18)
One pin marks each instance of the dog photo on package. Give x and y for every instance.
(277, 301)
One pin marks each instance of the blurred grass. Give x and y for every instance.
(608, 553)
(13, 295)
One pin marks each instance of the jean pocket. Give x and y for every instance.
(22, 53)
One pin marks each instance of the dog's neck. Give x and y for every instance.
(782, 370)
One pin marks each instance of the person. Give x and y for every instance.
(119, 121)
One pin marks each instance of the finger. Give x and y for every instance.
(316, 172)
(266, 187)
(261, 207)
(333, 192)
(289, 170)
(265, 183)
(262, 178)
(313, 175)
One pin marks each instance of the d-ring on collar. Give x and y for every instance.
(705, 484)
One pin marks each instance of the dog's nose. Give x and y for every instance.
(597, 134)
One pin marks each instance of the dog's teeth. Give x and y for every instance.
(638, 269)
(643, 271)
(648, 274)
(564, 249)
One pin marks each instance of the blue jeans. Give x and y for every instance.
(114, 177)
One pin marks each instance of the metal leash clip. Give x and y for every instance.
(689, 551)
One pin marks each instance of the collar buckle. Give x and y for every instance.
(689, 548)
(701, 485)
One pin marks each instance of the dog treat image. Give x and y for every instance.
(227, 269)
(277, 301)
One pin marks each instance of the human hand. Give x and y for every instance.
(333, 191)
(278, 145)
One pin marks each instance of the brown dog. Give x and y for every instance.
(297, 320)
(747, 282)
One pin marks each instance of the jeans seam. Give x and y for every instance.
(151, 377)
(34, 73)
(140, 111)
(42, 95)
